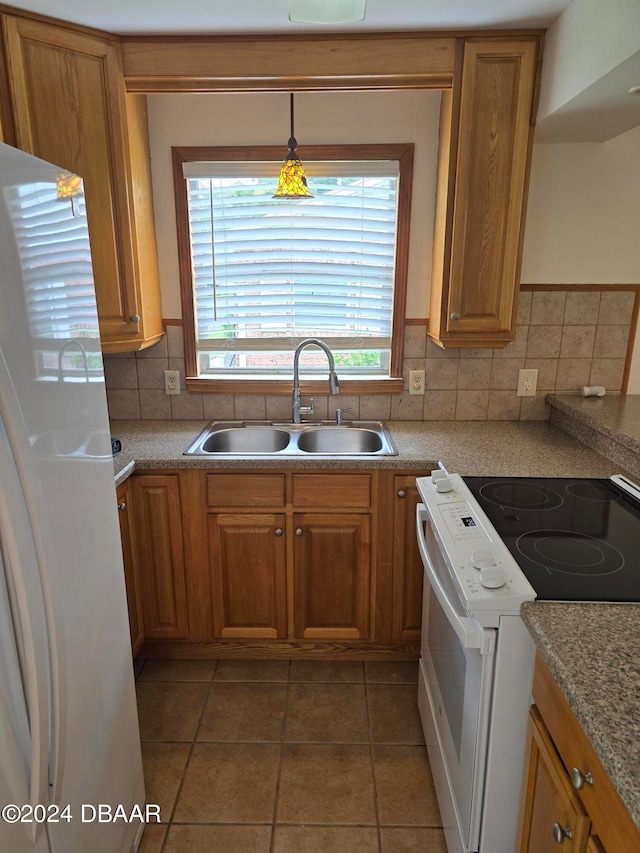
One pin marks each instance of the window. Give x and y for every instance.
(259, 275)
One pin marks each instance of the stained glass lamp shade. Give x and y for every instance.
(292, 182)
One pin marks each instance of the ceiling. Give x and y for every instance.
(271, 16)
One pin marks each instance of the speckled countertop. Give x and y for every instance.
(609, 425)
(593, 651)
(500, 448)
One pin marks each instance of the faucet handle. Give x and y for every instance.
(340, 413)
(307, 410)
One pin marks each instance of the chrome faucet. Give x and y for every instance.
(334, 385)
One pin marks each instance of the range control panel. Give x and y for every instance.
(487, 577)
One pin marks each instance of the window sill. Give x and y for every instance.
(284, 387)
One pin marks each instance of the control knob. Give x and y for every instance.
(444, 484)
(492, 578)
(483, 558)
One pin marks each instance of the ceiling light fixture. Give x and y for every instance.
(292, 182)
(326, 11)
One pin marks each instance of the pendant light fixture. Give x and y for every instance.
(292, 182)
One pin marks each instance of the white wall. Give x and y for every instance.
(588, 40)
(583, 213)
(320, 118)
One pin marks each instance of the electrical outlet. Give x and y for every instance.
(416, 381)
(527, 382)
(172, 382)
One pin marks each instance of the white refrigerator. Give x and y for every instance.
(69, 740)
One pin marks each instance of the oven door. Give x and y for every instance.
(457, 656)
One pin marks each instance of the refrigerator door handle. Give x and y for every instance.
(46, 746)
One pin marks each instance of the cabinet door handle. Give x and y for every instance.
(579, 779)
(122, 507)
(455, 315)
(401, 493)
(278, 531)
(559, 834)
(299, 531)
(135, 318)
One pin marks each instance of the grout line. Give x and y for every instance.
(373, 769)
(279, 775)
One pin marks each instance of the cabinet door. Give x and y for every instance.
(486, 130)
(69, 107)
(131, 575)
(407, 564)
(248, 569)
(160, 554)
(550, 806)
(332, 567)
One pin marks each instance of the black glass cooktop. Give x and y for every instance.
(575, 540)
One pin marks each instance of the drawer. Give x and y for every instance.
(611, 821)
(331, 490)
(245, 490)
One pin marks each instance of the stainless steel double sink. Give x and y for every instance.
(267, 438)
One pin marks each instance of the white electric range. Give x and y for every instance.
(489, 544)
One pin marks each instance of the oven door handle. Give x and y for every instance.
(469, 632)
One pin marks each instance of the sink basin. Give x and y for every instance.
(246, 440)
(263, 438)
(340, 439)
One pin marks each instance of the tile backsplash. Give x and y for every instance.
(573, 338)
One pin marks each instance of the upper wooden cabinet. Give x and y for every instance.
(69, 106)
(485, 146)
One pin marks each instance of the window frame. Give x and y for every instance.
(403, 153)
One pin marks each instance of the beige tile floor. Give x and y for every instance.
(285, 757)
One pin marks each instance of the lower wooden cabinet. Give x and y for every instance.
(568, 801)
(553, 814)
(408, 571)
(131, 574)
(287, 555)
(248, 575)
(332, 575)
(160, 554)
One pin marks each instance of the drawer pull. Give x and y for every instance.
(278, 531)
(578, 779)
(559, 834)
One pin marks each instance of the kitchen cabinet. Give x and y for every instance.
(247, 555)
(131, 574)
(160, 555)
(485, 146)
(259, 562)
(69, 105)
(553, 814)
(408, 571)
(565, 783)
(292, 542)
(332, 575)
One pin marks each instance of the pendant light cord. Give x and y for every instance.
(292, 140)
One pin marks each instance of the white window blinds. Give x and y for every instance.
(268, 269)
